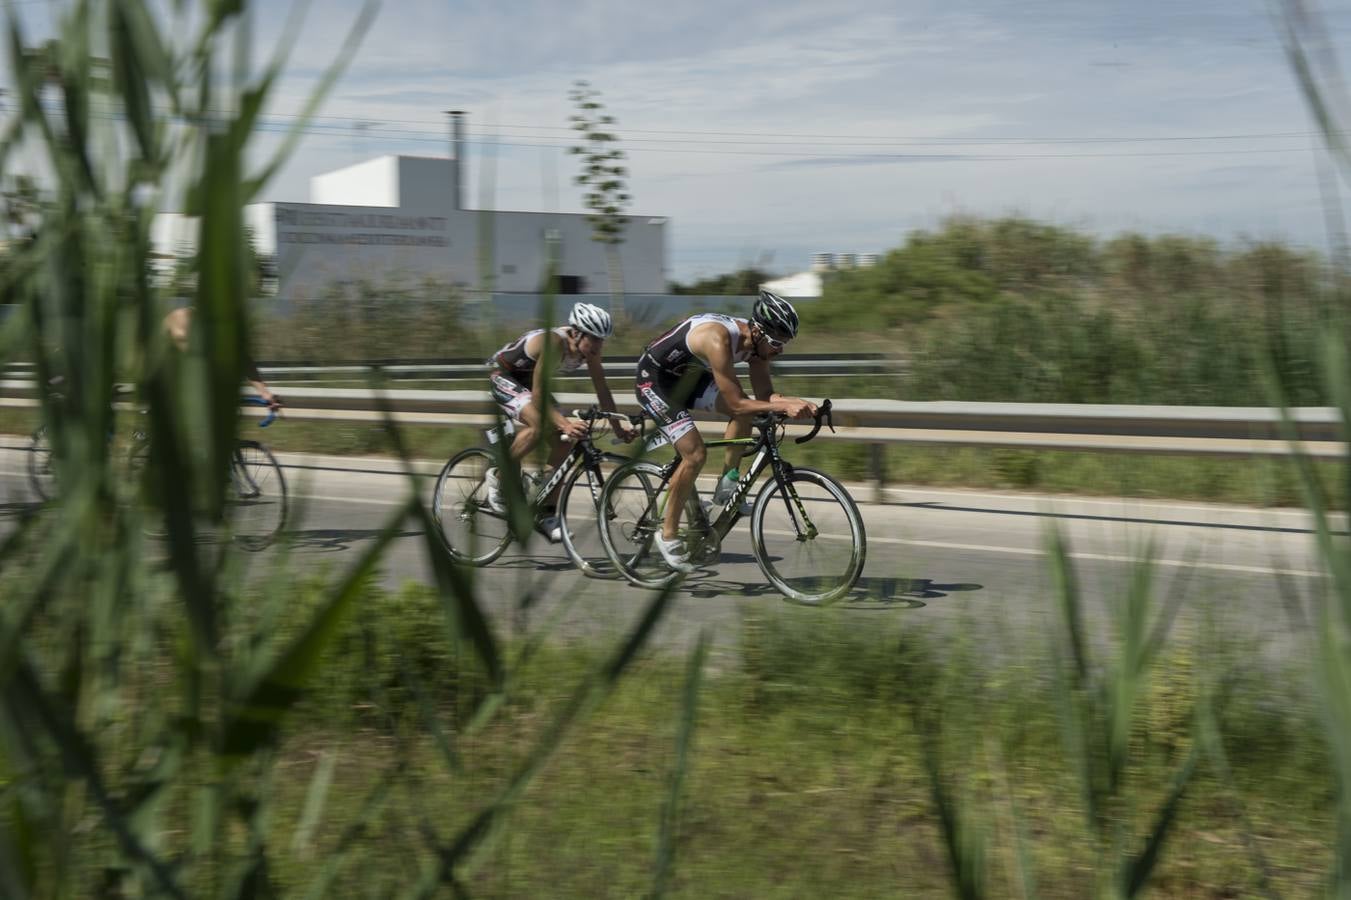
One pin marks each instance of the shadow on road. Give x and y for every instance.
(18, 510)
(336, 540)
(869, 593)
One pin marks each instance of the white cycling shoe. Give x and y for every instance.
(551, 527)
(675, 555)
(495, 501)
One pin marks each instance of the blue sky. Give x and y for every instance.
(767, 131)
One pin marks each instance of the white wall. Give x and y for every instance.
(374, 182)
(392, 220)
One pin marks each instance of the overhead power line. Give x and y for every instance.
(438, 128)
(784, 151)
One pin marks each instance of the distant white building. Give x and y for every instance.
(400, 220)
(808, 285)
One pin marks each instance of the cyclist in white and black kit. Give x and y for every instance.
(517, 381)
(691, 367)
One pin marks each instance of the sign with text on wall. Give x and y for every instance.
(359, 229)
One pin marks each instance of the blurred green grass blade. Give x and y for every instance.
(1126, 675)
(1075, 736)
(962, 838)
(670, 817)
(141, 66)
(463, 855)
(455, 586)
(170, 465)
(1066, 584)
(253, 99)
(360, 27)
(23, 690)
(1334, 671)
(29, 77)
(1138, 869)
(315, 799)
(321, 886)
(1212, 744)
(75, 60)
(153, 56)
(272, 686)
(215, 361)
(431, 718)
(18, 836)
(455, 589)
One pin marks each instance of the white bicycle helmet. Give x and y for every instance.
(591, 319)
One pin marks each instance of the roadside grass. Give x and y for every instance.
(807, 777)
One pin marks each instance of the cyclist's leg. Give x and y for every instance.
(513, 398)
(737, 427)
(693, 455)
(666, 401)
(558, 451)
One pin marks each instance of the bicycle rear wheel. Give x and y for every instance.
(469, 528)
(577, 507)
(256, 498)
(634, 500)
(810, 544)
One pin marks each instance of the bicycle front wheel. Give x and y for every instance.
(578, 504)
(808, 540)
(256, 498)
(632, 501)
(469, 528)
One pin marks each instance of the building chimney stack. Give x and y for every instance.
(457, 157)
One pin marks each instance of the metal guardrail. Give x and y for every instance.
(1152, 429)
(468, 368)
(1216, 431)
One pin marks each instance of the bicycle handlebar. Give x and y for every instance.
(594, 413)
(822, 415)
(259, 401)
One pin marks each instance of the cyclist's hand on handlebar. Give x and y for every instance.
(796, 408)
(623, 430)
(272, 400)
(574, 430)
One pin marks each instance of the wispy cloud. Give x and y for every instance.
(779, 126)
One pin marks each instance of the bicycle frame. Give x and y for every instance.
(583, 453)
(765, 446)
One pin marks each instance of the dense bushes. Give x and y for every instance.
(1013, 310)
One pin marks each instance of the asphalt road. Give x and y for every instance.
(936, 559)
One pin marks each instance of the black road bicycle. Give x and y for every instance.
(806, 531)
(476, 534)
(256, 500)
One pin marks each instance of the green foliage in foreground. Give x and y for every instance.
(806, 772)
(178, 720)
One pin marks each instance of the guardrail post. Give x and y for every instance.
(878, 459)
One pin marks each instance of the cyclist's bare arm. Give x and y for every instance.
(178, 325)
(763, 385)
(712, 343)
(761, 382)
(535, 348)
(596, 367)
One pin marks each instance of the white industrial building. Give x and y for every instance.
(401, 220)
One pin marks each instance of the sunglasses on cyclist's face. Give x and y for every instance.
(774, 343)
